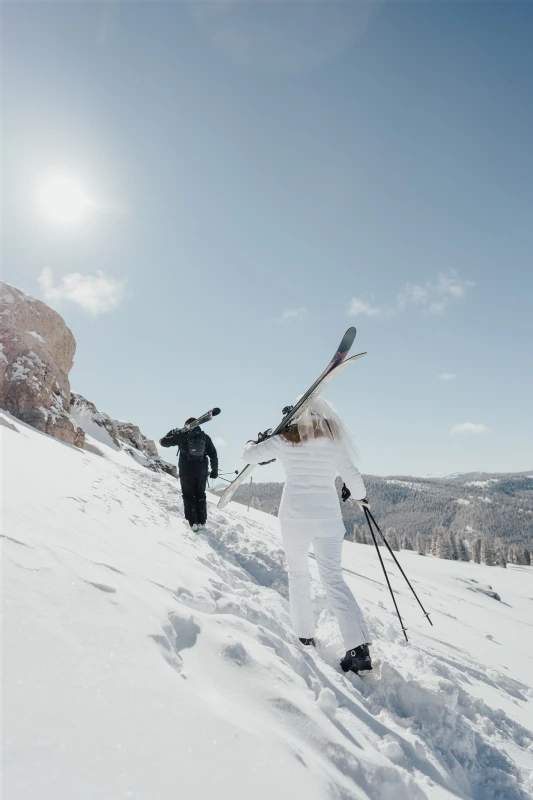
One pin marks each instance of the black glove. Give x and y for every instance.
(261, 437)
(345, 493)
(213, 474)
(167, 436)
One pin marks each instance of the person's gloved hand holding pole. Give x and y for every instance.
(346, 494)
(363, 503)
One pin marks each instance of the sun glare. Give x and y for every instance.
(64, 200)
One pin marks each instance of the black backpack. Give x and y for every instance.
(196, 445)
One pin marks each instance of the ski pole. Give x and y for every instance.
(250, 495)
(369, 514)
(404, 629)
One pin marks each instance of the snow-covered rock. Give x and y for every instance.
(483, 588)
(36, 355)
(116, 435)
(144, 661)
(131, 434)
(94, 422)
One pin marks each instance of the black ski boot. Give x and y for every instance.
(357, 660)
(308, 642)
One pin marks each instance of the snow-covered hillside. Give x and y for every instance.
(144, 661)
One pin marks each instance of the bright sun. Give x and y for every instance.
(64, 200)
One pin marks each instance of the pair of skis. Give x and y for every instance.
(335, 366)
(200, 420)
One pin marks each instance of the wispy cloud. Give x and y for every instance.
(293, 313)
(432, 297)
(359, 307)
(97, 294)
(448, 376)
(469, 427)
(220, 442)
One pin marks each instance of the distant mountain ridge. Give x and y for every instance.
(470, 476)
(488, 505)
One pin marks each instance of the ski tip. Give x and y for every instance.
(216, 412)
(351, 359)
(347, 340)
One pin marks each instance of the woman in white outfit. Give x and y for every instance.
(314, 449)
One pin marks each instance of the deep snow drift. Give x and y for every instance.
(144, 661)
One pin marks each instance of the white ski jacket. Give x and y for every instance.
(310, 498)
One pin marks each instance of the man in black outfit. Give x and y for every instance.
(195, 448)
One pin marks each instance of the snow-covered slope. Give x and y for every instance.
(144, 661)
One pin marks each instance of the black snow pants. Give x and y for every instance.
(194, 500)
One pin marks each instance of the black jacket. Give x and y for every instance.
(186, 465)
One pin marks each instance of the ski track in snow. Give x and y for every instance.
(143, 660)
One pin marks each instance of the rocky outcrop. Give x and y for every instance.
(132, 435)
(36, 355)
(118, 435)
(85, 413)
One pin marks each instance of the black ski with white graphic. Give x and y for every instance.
(200, 421)
(336, 365)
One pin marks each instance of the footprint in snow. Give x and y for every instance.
(178, 634)
(183, 631)
(238, 654)
(200, 601)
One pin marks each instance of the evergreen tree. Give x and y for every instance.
(502, 557)
(420, 545)
(476, 550)
(527, 557)
(406, 543)
(444, 548)
(462, 550)
(439, 533)
(488, 556)
(359, 534)
(392, 538)
(454, 550)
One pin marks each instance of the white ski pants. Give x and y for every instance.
(328, 552)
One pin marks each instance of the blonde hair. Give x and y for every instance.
(319, 430)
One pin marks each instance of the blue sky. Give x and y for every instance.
(260, 176)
